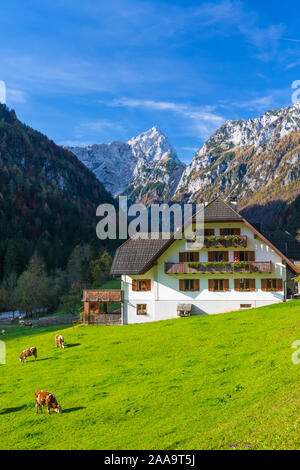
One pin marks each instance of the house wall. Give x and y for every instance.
(164, 296)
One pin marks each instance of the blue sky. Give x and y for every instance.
(95, 71)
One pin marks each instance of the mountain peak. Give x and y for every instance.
(148, 160)
(152, 145)
(243, 157)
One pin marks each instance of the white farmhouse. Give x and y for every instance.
(237, 268)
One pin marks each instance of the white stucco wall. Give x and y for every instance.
(164, 296)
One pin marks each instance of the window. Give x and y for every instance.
(189, 285)
(229, 231)
(209, 232)
(141, 284)
(189, 256)
(244, 256)
(218, 256)
(218, 285)
(244, 284)
(271, 285)
(141, 309)
(245, 305)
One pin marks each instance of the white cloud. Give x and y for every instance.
(203, 120)
(290, 39)
(231, 17)
(293, 65)
(254, 104)
(190, 149)
(15, 96)
(102, 127)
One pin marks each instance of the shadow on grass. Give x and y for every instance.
(77, 408)
(38, 360)
(12, 410)
(72, 345)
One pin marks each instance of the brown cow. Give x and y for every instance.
(59, 341)
(28, 352)
(46, 399)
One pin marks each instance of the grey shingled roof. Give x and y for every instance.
(218, 210)
(135, 256)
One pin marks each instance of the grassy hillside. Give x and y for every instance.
(191, 383)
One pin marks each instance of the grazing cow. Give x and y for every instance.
(3, 332)
(59, 341)
(46, 399)
(28, 352)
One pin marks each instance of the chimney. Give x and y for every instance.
(233, 204)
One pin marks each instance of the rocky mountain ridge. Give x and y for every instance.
(146, 168)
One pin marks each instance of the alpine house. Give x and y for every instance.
(236, 268)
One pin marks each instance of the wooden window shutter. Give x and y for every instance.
(148, 284)
(251, 255)
(210, 256)
(279, 284)
(196, 256)
(236, 254)
(181, 257)
(181, 284)
(264, 284)
(210, 284)
(222, 232)
(134, 284)
(225, 256)
(252, 284)
(237, 231)
(196, 284)
(226, 284)
(237, 284)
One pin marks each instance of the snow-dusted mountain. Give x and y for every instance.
(146, 168)
(112, 163)
(243, 157)
(255, 161)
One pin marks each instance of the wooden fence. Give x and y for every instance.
(48, 321)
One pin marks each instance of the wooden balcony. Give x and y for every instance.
(102, 295)
(211, 268)
(226, 241)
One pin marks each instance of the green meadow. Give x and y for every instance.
(205, 382)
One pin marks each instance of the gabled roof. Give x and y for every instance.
(218, 210)
(137, 256)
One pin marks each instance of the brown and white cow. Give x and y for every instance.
(28, 352)
(59, 341)
(47, 399)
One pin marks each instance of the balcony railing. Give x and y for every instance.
(224, 267)
(226, 241)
